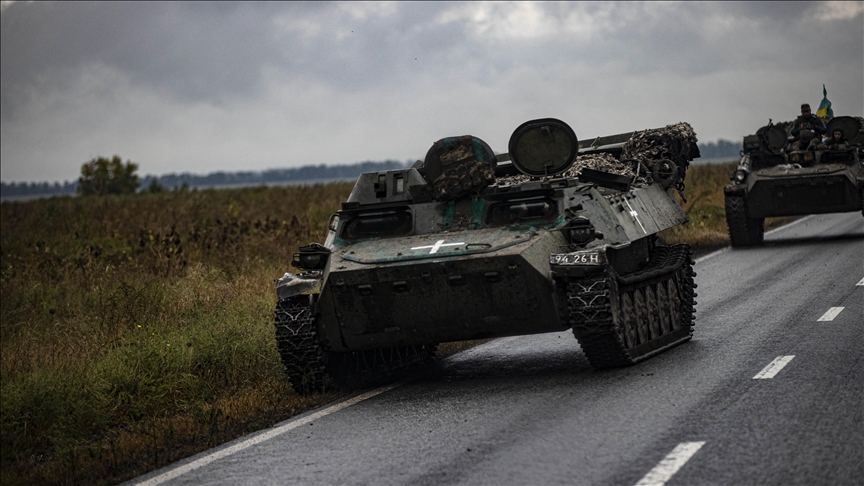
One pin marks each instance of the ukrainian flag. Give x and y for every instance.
(825, 110)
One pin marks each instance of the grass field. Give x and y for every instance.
(138, 330)
(706, 230)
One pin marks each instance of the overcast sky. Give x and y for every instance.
(201, 87)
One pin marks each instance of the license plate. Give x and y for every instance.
(589, 258)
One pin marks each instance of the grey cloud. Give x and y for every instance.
(761, 35)
(205, 51)
(249, 58)
(195, 51)
(378, 50)
(214, 51)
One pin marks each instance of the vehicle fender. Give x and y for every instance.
(733, 190)
(290, 285)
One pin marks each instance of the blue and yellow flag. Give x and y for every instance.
(825, 110)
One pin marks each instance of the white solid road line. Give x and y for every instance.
(830, 314)
(670, 464)
(712, 255)
(861, 283)
(257, 439)
(244, 444)
(727, 248)
(655, 477)
(773, 368)
(793, 223)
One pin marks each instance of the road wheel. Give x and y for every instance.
(628, 321)
(743, 231)
(312, 368)
(653, 312)
(665, 312)
(641, 316)
(375, 366)
(674, 303)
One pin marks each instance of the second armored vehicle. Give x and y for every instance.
(468, 244)
(774, 180)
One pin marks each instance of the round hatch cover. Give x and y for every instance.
(846, 124)
(544, 147)
(773, 136)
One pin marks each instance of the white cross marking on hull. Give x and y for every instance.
(635, 216)
(437, 246)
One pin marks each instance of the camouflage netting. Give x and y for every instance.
(672, 142)
(462, 179)
(644, 150)
(604, 162)
(459, 166)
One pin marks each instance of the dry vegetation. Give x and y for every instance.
(136, 330)
(707, 229)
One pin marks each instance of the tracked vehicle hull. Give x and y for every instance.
(828, 188)
(773, 181)
(438, 301)
(420, 263)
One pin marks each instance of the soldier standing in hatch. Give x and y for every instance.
(807, 129)
(837, 141)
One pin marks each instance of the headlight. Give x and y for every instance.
(311, 257)
(580, 231)
(740, 175)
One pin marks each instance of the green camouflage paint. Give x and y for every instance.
(478, 208)
(449, 212)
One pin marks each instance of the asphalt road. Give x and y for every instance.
(530, 410)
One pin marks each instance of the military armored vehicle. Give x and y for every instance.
(467, 244)
(773, 179)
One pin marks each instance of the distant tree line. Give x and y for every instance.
(25, 188)
(719, 149)
(122, 174)
(271, 176)
(117, 174)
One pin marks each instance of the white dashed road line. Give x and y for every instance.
(830, 314)
(773, 368)
(670, 464)
(257, 439)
